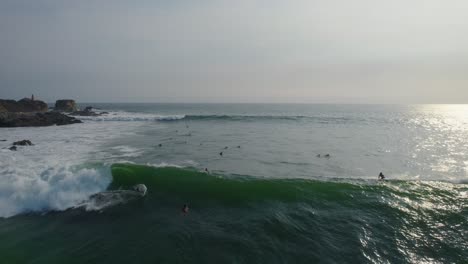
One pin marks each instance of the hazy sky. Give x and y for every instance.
(393, 51)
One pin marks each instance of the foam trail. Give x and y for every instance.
(107, 199)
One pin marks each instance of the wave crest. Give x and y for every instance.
(130, 116)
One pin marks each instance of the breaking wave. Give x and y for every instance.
(130, 116)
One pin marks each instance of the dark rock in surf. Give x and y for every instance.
(23, 142)
(66, 105)
(13, 148)
(87, 112)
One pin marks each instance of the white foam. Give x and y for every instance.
(52, 174)
(183, 164)
(127, 152)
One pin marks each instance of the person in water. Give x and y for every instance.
(381, 176)
(185, 209)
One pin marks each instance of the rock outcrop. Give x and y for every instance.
(66, 105)
(23, 142)
(2, 108)
(88, 111)
(10, 119)
(23, 105)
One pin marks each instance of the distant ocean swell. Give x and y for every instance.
(265, 117)
(129, 116)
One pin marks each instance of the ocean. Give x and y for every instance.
(264, 183)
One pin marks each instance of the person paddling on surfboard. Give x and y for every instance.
(185, 209)
(381, 176)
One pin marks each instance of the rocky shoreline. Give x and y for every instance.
(29, 112)
(11, 119)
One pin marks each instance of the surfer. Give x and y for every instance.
(185, 209)
(206, 170)
(221, 153)
(327, 156)
(381, 176)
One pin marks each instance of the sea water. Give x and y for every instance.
(265, 183)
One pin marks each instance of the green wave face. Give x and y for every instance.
(194, 184)
(364, 221)
(200, 185)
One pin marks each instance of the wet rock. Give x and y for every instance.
(23, 142)
(2, 109)
(10, 119)
(13, 148)
(23, 105)
(66, 105)
(87, 112)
